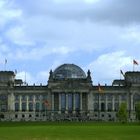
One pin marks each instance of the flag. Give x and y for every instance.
(122, 72)
(15, 71)
(135, 62)
(100, 89)
(46, 103)
(5, 61)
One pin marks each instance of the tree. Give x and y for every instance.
(138, 111)
(122, 113)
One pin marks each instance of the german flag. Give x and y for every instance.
(46, 103)
(135, 62)
(100, 90)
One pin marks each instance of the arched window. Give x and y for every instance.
(23, 97)
(16, 97)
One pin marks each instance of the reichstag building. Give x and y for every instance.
(69, 95)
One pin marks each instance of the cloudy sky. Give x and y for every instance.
(39, 35)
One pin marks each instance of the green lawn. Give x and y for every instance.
(68, 131)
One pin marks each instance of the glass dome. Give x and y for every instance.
(68, 71)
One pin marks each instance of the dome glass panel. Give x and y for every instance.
(68, 71)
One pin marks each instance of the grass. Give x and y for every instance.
(68, 131)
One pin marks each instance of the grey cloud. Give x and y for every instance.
(112, 11)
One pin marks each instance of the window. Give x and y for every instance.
(3, 103)
(63, 102)
(37, 107)
(16, 106)
(116, 106)
(31, 97)
(136, 97)
(23, 97)
(16, 98)
(102, 97)
(102, 106)
(70, 102)
(109, 97)
(3, 107)
(95, 107)
(3, 97)
(37, 97)
(23, 106)
(116, 97)
(16, 116)
(44, 97)
(96, 97)
(123, 97)
(44, 107)
(77, 101)
(109, 106)
(30, 106)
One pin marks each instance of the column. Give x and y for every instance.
(27, 103)
(106, 102)
(73, 103)
(59, 102)
(66, 102)
(132, 103)
(99, 106)
(90, 103)
(113, 102)
(99, 103)
(80, 101)
(40, 103)
(34, 103)
(11, 102)
(52, 100)
(20, 103)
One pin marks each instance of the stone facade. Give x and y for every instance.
(69, 95)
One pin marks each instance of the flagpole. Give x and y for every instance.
(25, 77)
(5, 67)
(5, 64)
(120, 74)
